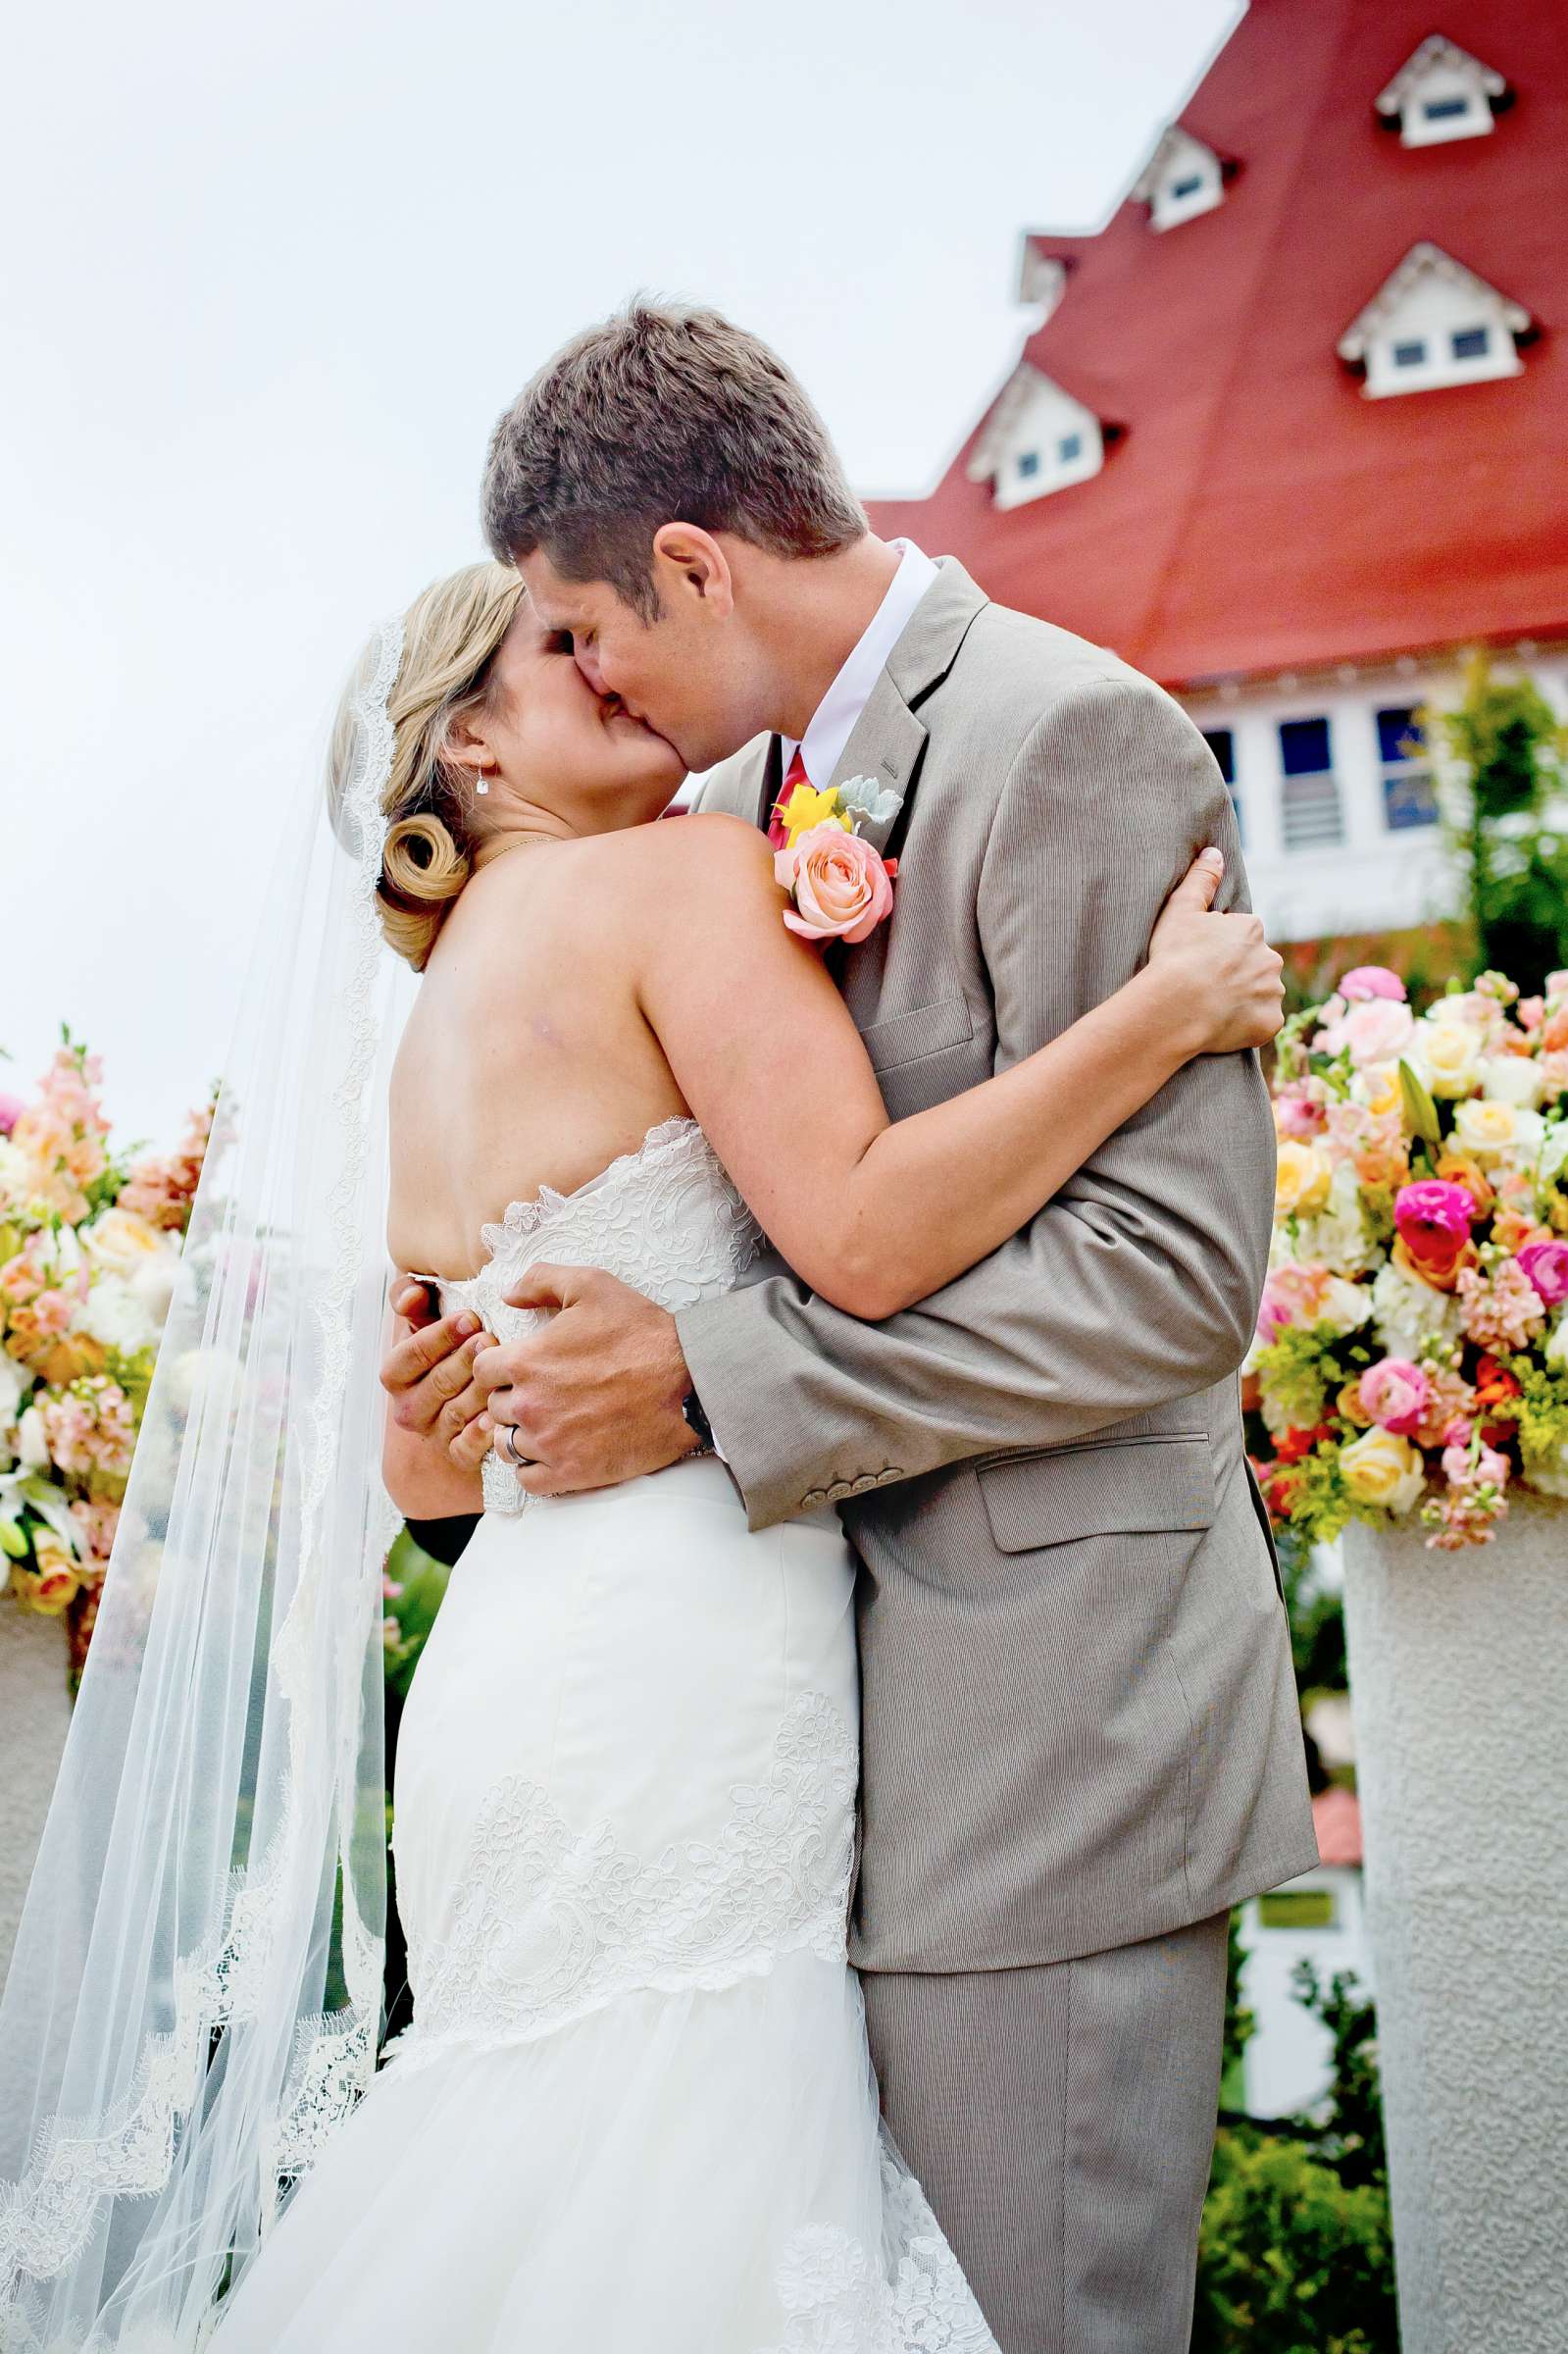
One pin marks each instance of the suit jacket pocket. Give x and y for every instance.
(923, 1030)
(1117, 1486)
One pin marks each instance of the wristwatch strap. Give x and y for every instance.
(697, 1420)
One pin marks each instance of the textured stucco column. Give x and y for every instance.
(1459, 1680)
(34, 1712)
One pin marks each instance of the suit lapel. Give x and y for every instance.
(884, 745)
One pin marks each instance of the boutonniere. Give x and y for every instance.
(840, 885)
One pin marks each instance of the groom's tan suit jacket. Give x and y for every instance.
(1079, 1719)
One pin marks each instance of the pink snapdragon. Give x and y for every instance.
(1396, 1394)
(91, 1427)
(1500, 1309)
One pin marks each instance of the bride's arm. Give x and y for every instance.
(872, 1214)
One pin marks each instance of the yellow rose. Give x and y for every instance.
(1449, 1056)
(1381, 1467)
(1481, 1126)
(1349, 1408)
(1301, 1180)
(1379, 1089)
(54, 1581)
(121, 1242)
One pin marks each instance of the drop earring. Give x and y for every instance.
(482, 780)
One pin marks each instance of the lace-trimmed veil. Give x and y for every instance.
(195, 1996)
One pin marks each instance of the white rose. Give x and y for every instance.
(192, 1376)
(1555, 1350)
(1550, 1482)
(1511, 1079)
(33, 1446)
(1554, 1149)
(18, 1176)
(121, 1242)
(113, 1314)
(153, 1284)
(1446, 1054)
(14, 1383)
(1344, 1306)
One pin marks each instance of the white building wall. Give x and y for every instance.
(1376, 877)
(1286, 2066)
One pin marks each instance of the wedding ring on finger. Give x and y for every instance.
(518, 1463)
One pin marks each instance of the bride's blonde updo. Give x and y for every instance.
(451, 634)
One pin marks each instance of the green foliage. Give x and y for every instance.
(1317, 1617)
(1295, 2252)
(1292, 2259)
(422, 1581)
(1347, 2128)
(1504, 751)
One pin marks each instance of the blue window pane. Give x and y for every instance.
(1444, 110)
(1409, 355)
(1221, 744)
(1398, 737)
(1472, 344)
(1028, 460)
(1408, 799)
(1070, 446)
(1186, 187)
(1305, 747)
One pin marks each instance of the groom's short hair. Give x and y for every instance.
(663, 413)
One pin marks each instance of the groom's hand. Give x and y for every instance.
(595, 1395)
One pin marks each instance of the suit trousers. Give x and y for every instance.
(1060, 2120)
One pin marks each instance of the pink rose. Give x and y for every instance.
(1375, 1030)
(12, 1108)
(1371, 981)
(1530, 1013)
(1547, 1267)
(1397, 1394)
(1298, 1115)
(842, 887)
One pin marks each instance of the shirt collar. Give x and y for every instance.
(833, 723)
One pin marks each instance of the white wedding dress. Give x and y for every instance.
(635, 2113)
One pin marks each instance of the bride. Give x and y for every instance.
(635, 2109)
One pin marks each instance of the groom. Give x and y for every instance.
(1082, 1744)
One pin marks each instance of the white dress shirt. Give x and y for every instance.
(833, 723)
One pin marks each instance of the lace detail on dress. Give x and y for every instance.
(555, 1922)
(666, 1219)
(840, 2299)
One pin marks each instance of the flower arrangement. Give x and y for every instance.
(840, 885)
(1411, 1354)
(88, 1247)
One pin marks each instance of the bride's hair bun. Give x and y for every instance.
(451, 635)
(423, 870)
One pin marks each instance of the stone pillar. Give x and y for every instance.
(34, 1712)
(1460, 1681)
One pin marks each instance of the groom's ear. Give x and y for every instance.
(690, 566)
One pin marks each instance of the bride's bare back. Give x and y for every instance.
(527, 1060)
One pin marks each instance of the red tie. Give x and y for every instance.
(798, 775)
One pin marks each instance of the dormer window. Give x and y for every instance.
(1181, 180)
(1441, 94)
(1431, 325)
(1037, 440)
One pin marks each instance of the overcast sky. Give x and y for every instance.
(276, 270)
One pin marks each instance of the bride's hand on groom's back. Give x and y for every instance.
(428, 1374)
(1225, 978)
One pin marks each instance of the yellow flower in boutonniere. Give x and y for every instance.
(807, 808)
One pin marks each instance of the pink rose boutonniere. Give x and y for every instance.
(841, 883)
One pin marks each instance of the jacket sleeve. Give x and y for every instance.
(1138, 1283)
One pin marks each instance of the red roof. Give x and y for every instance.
(1260, 514)
(1336, 1820)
